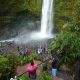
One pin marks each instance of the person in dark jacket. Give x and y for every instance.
(77, 72)
(54, 69)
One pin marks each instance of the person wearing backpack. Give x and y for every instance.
(32, 70)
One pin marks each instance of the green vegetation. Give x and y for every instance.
(12, 13)
(24, 78)
(66, 11)
(67, 44)
(9, 8)
(9, 63)
(27, 59)
(4, 67)
(20, 5)
(44, 76)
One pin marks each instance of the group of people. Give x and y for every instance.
(33, 67)
(41, 50)
(24, 51)
(27, 51)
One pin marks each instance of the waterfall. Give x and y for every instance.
(47, 17)
(46, 26)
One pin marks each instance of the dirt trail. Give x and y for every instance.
(60, 75)
(22, 69)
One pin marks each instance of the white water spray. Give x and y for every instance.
(46, 26)
(47, 17)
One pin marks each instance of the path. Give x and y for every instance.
(60, 75)
(22, 69)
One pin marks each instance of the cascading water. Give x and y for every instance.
(47, 17)
(46, 26)
(46, 21)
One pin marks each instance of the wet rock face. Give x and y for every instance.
(13, 14)
(11, 25)
(7, 47)
(26, 27)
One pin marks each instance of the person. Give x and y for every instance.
(57, 57)
(39, 51)
(15, 78)
(43, 50)
(44, 68)
(26, 51)
(54, 69)
(46, 50)
(29, 51)
(32, 70)
(18, 49)
(22, 52)
(36, 50)
(77, 71)
(11, 79)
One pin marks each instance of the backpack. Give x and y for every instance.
(32, 74)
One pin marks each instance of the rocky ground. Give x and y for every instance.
(8, 47)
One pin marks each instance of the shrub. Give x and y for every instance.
(45, 76)
(12, 63)
(24, 78)
(67, 45)
(4, 68)
(27, 59)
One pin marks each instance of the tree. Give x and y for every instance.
(67, 43)
(4, 68)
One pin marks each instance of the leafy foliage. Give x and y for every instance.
(66, 11)
(67, 43)
(45, 76)
(20, 5)
(24, 78)
(27, 59)
(12, 63)
(72, 27)
(4, 67)
(9, 63)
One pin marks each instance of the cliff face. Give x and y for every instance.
(11, 9)
(13, 12)
(15, 6)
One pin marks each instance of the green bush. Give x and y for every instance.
(24, 78)
(45, 76)
(36, 56)
(72, 26)
(12, 63)
(27, 59)
(67, 45)
(4, 68)
(9, 63)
